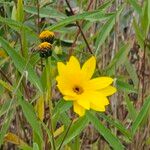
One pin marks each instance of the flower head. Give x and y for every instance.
(45, 49)
(75, 83)
(47, 36)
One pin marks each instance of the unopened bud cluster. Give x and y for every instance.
(47, 39)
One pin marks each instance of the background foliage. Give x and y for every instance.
(116, 32)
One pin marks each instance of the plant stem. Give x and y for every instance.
(48, 98)
(77, 23)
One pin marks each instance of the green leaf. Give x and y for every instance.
(104, 32)
(125, 87)
(75, 129)
(46, 12)
(118, 59)
(85, 15)
(30, 115)
(106, 4)
(62, 106)
(145, 20)
(116, 124)
(20, 12)
(132, 72)
(5, 125)
(4, 107)
(13, 14)
(21, 64)
(138, 34)
(142, 114)
(60, 109)
(6, 85)
(35, 146)
(132, 111)
(17, 26)
(148, 11)
(105, 132)
(136, 6)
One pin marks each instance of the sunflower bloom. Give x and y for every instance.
(75, 84)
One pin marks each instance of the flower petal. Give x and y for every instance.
(94, 107)
(83, 101)
(97, 98)
(89, 67)
(63, 85)
(108, 90)
(99, 103)
(78, 109)
(73, 64)
(98, 83)
(61, 68)
(69, 98)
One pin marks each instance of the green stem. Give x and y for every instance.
(48, 98)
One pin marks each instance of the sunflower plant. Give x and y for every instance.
(74, 75)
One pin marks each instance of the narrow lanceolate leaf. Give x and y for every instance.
(30, 115)
(46, 12)
(138, 34)
(85, 15)
(141, 116)
(148, 11)
(125, 87)
(145, 20)
(59, 131)
(132, 72)
(17, 26)
(40, 108)
(106, 4)
(4, 107)
(132, 111)
(119, 59)
(6, 85)
(59, 109)
(20, 11)
(5, 125)
(104, 32)
(105, 132)
(117, 124)
(136, 6)
(21, 64)
(76, 128)
(13, 138)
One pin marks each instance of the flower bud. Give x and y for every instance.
(47, 36)
(45, 49)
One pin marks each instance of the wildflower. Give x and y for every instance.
(76, 85)
(47, 36)
(45, 49)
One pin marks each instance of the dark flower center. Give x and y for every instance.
(78, 90)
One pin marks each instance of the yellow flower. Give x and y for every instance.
(76, 85)
(47, 36)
